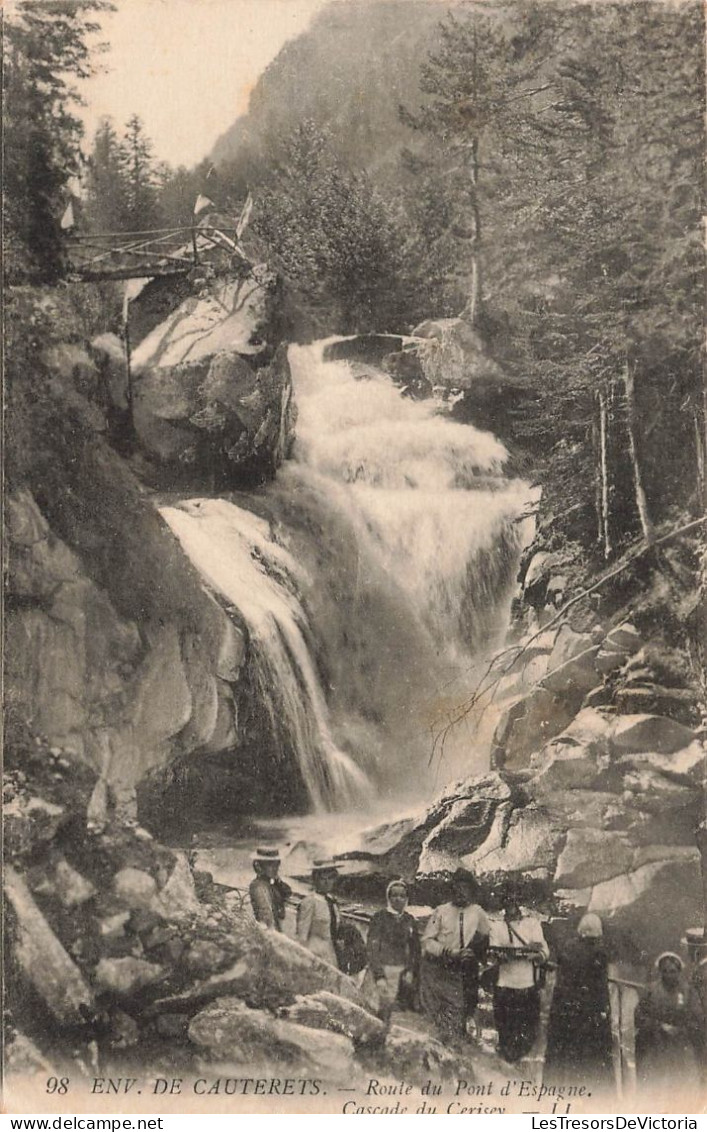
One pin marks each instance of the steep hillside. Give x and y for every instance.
(356, 92)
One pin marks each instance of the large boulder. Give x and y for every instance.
(635, 733)
(570, 666)
(411, 1055)
(327, 1011)
(212, 393)
(654, 903)
(41, 959)
(230, 1030)
(464, 823)
(591, 856)
(270, 969)
(454, 354)
(529, 846)
(368, 348)
(527, 724)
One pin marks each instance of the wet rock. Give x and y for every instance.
(127, 975)
(527, 724)
(29, 820)
(636, 902)
(202, 957)
(388, 836)
(635, 733)
(326, 1011)
(172, 1025)
(178, 894)
(71, 888)
(41, 958)
(466, 824)
(454, 354)
(22, 1058)
(416, 1056)
(675, 703)
(370, 348)
(135, 888)
(570, 666)
(529, 846)
(230, 1029)
(591, 856)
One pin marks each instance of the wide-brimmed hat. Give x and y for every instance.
(325, 865)
(266, 856)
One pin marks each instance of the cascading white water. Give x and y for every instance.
(237, 557)
(379, 578)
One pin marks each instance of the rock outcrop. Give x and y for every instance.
(125, 694)
(591, 804)
(211, 387)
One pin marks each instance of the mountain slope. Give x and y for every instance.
(349, 72)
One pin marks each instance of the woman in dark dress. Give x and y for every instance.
(394, 953)
(579, 1045)
(669, 1028)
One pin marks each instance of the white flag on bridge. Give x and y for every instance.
(202, 203)
(244, 217)
(67, 221)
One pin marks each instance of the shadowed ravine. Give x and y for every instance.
(379, 580)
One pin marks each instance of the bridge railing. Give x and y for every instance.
(156, 251)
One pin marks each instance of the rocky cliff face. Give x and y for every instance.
(596, 786)
(116, 654)
(210, 393)
(123, 694)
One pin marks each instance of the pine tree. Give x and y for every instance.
(105, 208)
(139, 177)
(588, 124)
(333, 235)
(47, 45)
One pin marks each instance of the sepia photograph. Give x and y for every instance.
(355, 577)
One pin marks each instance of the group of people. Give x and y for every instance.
(462, 949)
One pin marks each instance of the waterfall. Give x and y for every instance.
(380, 576)
(237, 557)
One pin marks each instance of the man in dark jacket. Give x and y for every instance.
(268, 893)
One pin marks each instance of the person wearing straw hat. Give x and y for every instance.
(318, 914)
(268, 893)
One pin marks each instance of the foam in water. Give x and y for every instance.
(384, 573)
(426, 494)
(236, 556)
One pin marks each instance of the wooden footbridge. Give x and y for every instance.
(151, 253)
